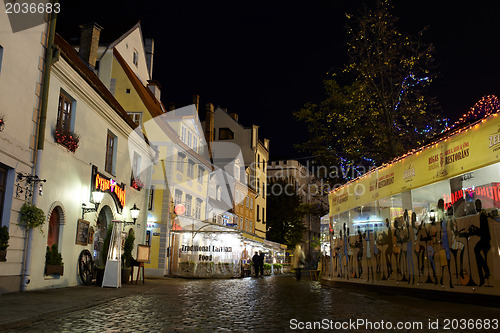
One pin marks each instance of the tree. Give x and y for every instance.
(378, 107)
(285, 212)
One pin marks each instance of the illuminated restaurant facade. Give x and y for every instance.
(415, 222)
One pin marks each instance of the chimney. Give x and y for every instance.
(155, 87)
(266, 144)
(234, 116)
(196, 101)
(89, 43)
(149, 49)
(209, 126)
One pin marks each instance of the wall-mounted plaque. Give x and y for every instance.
(82, 232)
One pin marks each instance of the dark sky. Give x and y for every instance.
(264, 60)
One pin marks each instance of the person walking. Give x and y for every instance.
(299, 259)
(256, 264)
(262, 256)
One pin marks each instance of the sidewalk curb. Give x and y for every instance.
(441, 295)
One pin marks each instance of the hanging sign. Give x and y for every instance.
(109, 185)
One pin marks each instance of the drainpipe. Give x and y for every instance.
(50, 58)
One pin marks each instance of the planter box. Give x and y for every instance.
(54, 269)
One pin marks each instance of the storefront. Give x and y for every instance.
(416, 220)
(209, 250)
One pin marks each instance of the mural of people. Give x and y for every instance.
(420, 248)
(346, 251)
(369, 263)
(456, 245)
(483, 245)
(410, 244)
(445, 255)
(359, 254)
(389, 249)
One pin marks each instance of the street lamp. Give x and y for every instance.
(134, 212)
(97, 197)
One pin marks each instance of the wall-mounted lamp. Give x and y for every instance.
(134, 212)
(97, 197)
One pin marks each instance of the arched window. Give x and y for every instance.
(54, 224)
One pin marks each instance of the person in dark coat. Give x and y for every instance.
(256, 263)
(261, 263)
(483, 245)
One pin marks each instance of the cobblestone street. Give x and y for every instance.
(271, 304)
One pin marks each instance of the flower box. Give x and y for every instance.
(67, 139)
(54, 269)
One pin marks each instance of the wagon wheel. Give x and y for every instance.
(85, 267)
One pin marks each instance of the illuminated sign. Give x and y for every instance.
(109, 185)
(491, 192)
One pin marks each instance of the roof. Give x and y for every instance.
(86, 73)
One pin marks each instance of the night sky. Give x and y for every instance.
(264, 60)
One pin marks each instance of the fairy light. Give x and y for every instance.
(484, 108)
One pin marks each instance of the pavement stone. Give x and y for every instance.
(205, 305)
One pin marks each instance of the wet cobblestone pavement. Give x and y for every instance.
(271, 304)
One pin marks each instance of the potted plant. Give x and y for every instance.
(127, 258)
(32, 217)
(53, 261)
(4, 242)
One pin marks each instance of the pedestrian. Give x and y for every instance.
(299, 260)
(261, 263)
(256, 265)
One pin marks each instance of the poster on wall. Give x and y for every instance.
(82, 232)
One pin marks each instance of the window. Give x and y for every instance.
(258, 186)
(263, 215)
(250, 226)
(180, 162)
(183, 134)
(177, 197)
(135, 58)
(197, 212)
(200, 174)
(190, 171)
(110, 153)
(136, 117)
(3, 184)
(151, 198)
(189, 198)
(225, 134)
(190, 139)
(195, 144)
(65, 112)
(1, 56)
(251, 203)
(136, 166)
(127, 91)
(246, 201)
(53, 234)
(258, 209)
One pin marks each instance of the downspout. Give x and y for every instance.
(49, 59)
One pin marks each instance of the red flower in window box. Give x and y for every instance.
(67, 138)
(137, 184)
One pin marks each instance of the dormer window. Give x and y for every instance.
(226, 134)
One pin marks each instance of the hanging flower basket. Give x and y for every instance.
(67, 138)
(137, 184)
